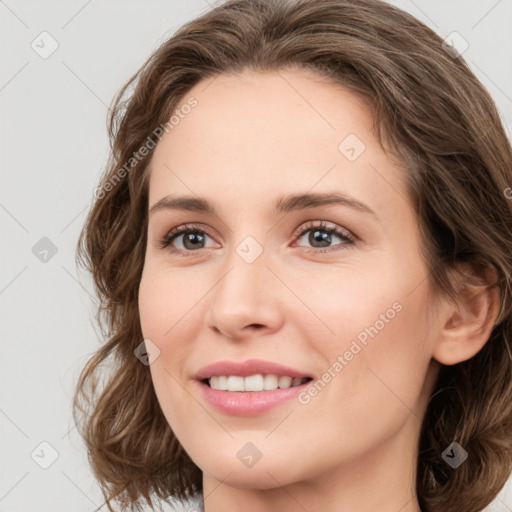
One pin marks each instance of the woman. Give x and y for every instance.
(303, 247)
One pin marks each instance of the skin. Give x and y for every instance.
(252, 138)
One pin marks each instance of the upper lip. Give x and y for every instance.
(246, 368)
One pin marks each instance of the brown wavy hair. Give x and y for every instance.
(435, 118)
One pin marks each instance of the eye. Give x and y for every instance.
(193, 239)
(321, 236)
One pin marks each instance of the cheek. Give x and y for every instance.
(385, 364)
(162, 302)
(348, 306)
(151, 301)
(376, 350)
(165, 315)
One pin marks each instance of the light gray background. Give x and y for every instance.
(54, 147)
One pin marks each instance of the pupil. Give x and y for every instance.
(190, 239)
(320, 236)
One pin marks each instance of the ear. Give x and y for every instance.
(465, 326)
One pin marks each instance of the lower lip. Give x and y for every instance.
(249, 403)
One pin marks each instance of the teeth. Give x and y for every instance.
(252, 383)
(270, 382)
(285, 382)
(220, 383)
(256, 382)
(235, 383)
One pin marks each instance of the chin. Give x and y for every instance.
(262, 475)
(251, 479)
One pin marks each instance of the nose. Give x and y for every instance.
(245, 301)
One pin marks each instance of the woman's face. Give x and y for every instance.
(309, 267)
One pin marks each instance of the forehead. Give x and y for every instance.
(273, 131)
(280, 106)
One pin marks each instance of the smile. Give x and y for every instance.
(254, 383)
(249, 388)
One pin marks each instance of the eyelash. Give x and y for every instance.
(166, 242)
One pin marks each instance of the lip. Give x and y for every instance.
(249, 403)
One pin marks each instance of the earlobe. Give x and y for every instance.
(468, 324)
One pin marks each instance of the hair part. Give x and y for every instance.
(432, 116)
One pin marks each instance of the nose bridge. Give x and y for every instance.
(243, 296)
(244, 276)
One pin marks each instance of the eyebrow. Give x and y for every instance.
(284, 204)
